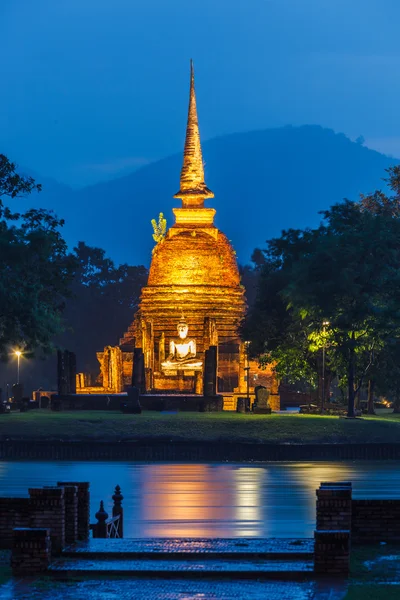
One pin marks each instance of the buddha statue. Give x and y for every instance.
(182, 351)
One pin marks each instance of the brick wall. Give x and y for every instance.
(83, 507)
(14, 512)
(332, 552)
(333, 532)
(375, 520)
(334, 506)
(48, 512)
(31, 551)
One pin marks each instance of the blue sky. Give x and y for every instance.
(94, 88)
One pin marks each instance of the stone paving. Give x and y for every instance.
(303, 547)
(128, 589)
(233, 569)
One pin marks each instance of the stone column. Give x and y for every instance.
(31, 552)
(242, 383)
(210, 372)
(71, 373)
(138, 376)
(62, 381)
(83, 507)
(210, 337)
(161, 350)
(48, 512)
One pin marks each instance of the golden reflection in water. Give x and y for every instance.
(187, 500)
(249, 482)
(311, 475)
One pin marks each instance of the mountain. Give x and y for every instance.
(264, 181)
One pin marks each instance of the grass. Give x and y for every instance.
(109, 425)
(374, 571)
(5, 569)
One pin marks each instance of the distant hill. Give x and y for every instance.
(264, 181)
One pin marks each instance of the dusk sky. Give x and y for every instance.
(91, 89)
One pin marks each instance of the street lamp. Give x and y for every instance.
(18, 355)
(324, 326)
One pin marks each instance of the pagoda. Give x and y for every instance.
(193, 299)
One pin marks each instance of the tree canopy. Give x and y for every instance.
(103, 300)
(35, 269)
(345, 273)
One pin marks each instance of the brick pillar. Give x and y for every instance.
(31, 551)
(83, 506)
(333, 533)
(332, 552)
(48, 511)
(334, 506)
(71, 513)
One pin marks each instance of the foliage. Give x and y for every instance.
(103, 301)
(159, 228)
(11, 183)
(345, 271)
(35, 269)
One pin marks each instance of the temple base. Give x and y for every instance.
(182, 402)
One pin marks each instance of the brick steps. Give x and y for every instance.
(166, 548)
(236, 558)
(199, 566)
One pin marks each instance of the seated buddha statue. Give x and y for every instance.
(182, 350)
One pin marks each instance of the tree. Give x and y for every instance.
(278, 335)
(103, 300)
(11, 183)
(345, 272)
(35, 269)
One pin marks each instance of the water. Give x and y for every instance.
(208, 500)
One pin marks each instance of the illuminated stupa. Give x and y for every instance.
(193, 272)
(193, 300)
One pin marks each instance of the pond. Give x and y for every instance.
(208, 500)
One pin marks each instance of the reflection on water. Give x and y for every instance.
(208, 500)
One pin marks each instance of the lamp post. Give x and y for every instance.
(18, 355)
(324, 326)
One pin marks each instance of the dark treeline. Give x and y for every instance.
(52, 298)
(334, 292)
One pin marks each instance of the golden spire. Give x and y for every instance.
(193, 189)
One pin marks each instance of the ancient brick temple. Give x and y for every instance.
(193, 300)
